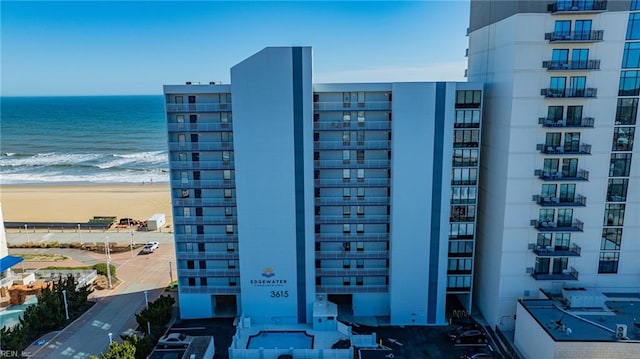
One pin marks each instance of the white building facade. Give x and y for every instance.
(560, 177)
(284, 190)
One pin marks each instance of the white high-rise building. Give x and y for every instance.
(285, 191)
(560, 178)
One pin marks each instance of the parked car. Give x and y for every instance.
(150, 247)
(480, 355)
(175, 340)
(468, 336)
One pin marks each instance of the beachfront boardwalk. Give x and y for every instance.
(114, 311)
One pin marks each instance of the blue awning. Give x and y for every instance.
(8, 262)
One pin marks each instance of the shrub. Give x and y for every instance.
(101, 268)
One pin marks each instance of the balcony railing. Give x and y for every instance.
(577, 6)
(198, 107)
(554, 251)
(351, 200)
(204, 202)
(579, 175)
(571, 65)
(352, 125)
(206, 255)
(212, 184)
(352, 272)
(338, 289)
(210, 272)
(380, 236)
(357, 106)
(571, 122)
(361, 182)
(567, 274)
(383, 163)
(569, 92)
(206, 238)
(560, 226)
(199, 146)
(199, 127)
(222, 219)
(369, 218)
(202, 165)
(352, 145)
(365, 254)
(574, 36)
(582, 149)
(577, 201)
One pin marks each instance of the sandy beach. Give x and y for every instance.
(71, 203)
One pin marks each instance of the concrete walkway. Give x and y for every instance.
(114, 311)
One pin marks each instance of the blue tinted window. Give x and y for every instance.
(631, 57)
(629, 83)
(633, 27)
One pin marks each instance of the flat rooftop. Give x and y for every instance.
(587, 324)
(321, 339)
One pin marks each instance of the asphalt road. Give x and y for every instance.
(114, 311)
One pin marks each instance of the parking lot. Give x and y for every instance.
(221, 330)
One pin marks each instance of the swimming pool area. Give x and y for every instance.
(11, 315)
(271, 339)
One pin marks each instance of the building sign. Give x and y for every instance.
(268, 279)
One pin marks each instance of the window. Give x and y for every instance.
(572, 141)
(633, 27)
(346, 263)
(559, 57)
(359, 263)
(626, 111)
(182, 139)
(346, 246)
(346, 228)
(617, 189)
(467, 119)
(359, 246)
(542, 265)
(233, 281)
(195, 157)
(582, 30)
(635, 5)
(458, 281)
(185, 193)
(567, 193)
(557, 86)
(614, 214)
(461, 248)
(611, 239)
(225, 157)
(360, 210)
(555, 113)
(194, 137)
(463, 213)
(346, 281)
(190, 265)
(550, 165)
(466, 138)
(191, 282)
(579, 58)
(360, 228)
(461, 230)
(193, 118)
(468, 98)
(346, 118)
(186, 212)
(552, 139)
(360, 117)
(360, 173)
(226, 175)
(180, 118)
(196, 175)
(187, 229)
(559, 265)
(229, 228)
(226, 137)
(629, 83)
(360, 156)
(232, 264)
(546, 215)
(620, 165)
(198, 211)
(464, 176)
(203, 281)
(544, 239)
(459, 265)
(228, 193)
(548, 190)
(562, 29)
(578, 86)
(570, 167)
(562, 241)
(346, 137)
(623, 138)
(346, 174)
(465, 158)
(631, 55)
(346, 156)
(228, 211)
(346, 211)
(574, 115)
(608, 262)
(346, 193)
(231, 247)
(360, 192)
(565, 217)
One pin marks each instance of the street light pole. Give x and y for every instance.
(27, 232)
(79, 236)
(131, 231)
(66, 306)
(108, 254)
(170, 275)
(110, 338)
(146, 297)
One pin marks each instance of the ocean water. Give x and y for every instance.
(96, 139)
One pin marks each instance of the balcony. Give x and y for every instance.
(352, 106)
(369, 218)
(353, 237)
(582, 149)
(577, 6)
(569, 92)
(206, 255)
(340, 164)
(212, 184)
(351, 125)
(559, 226)
(198, 107)
(207, 238)
(579, 175)
(201, 165)
(352, 145)
(556, 251)
(574, 36)
(351, 200)
(204, 202)
(199, 127)
(566, 123)
(202, 220)
(577, 201)
(338, 289)
(352, 254)
(566, 274)
(200, 146)
(352, 272)
(362, 182)
(210, 272)
(210, 290)
(571, 65)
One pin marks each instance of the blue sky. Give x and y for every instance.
(94, 48)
